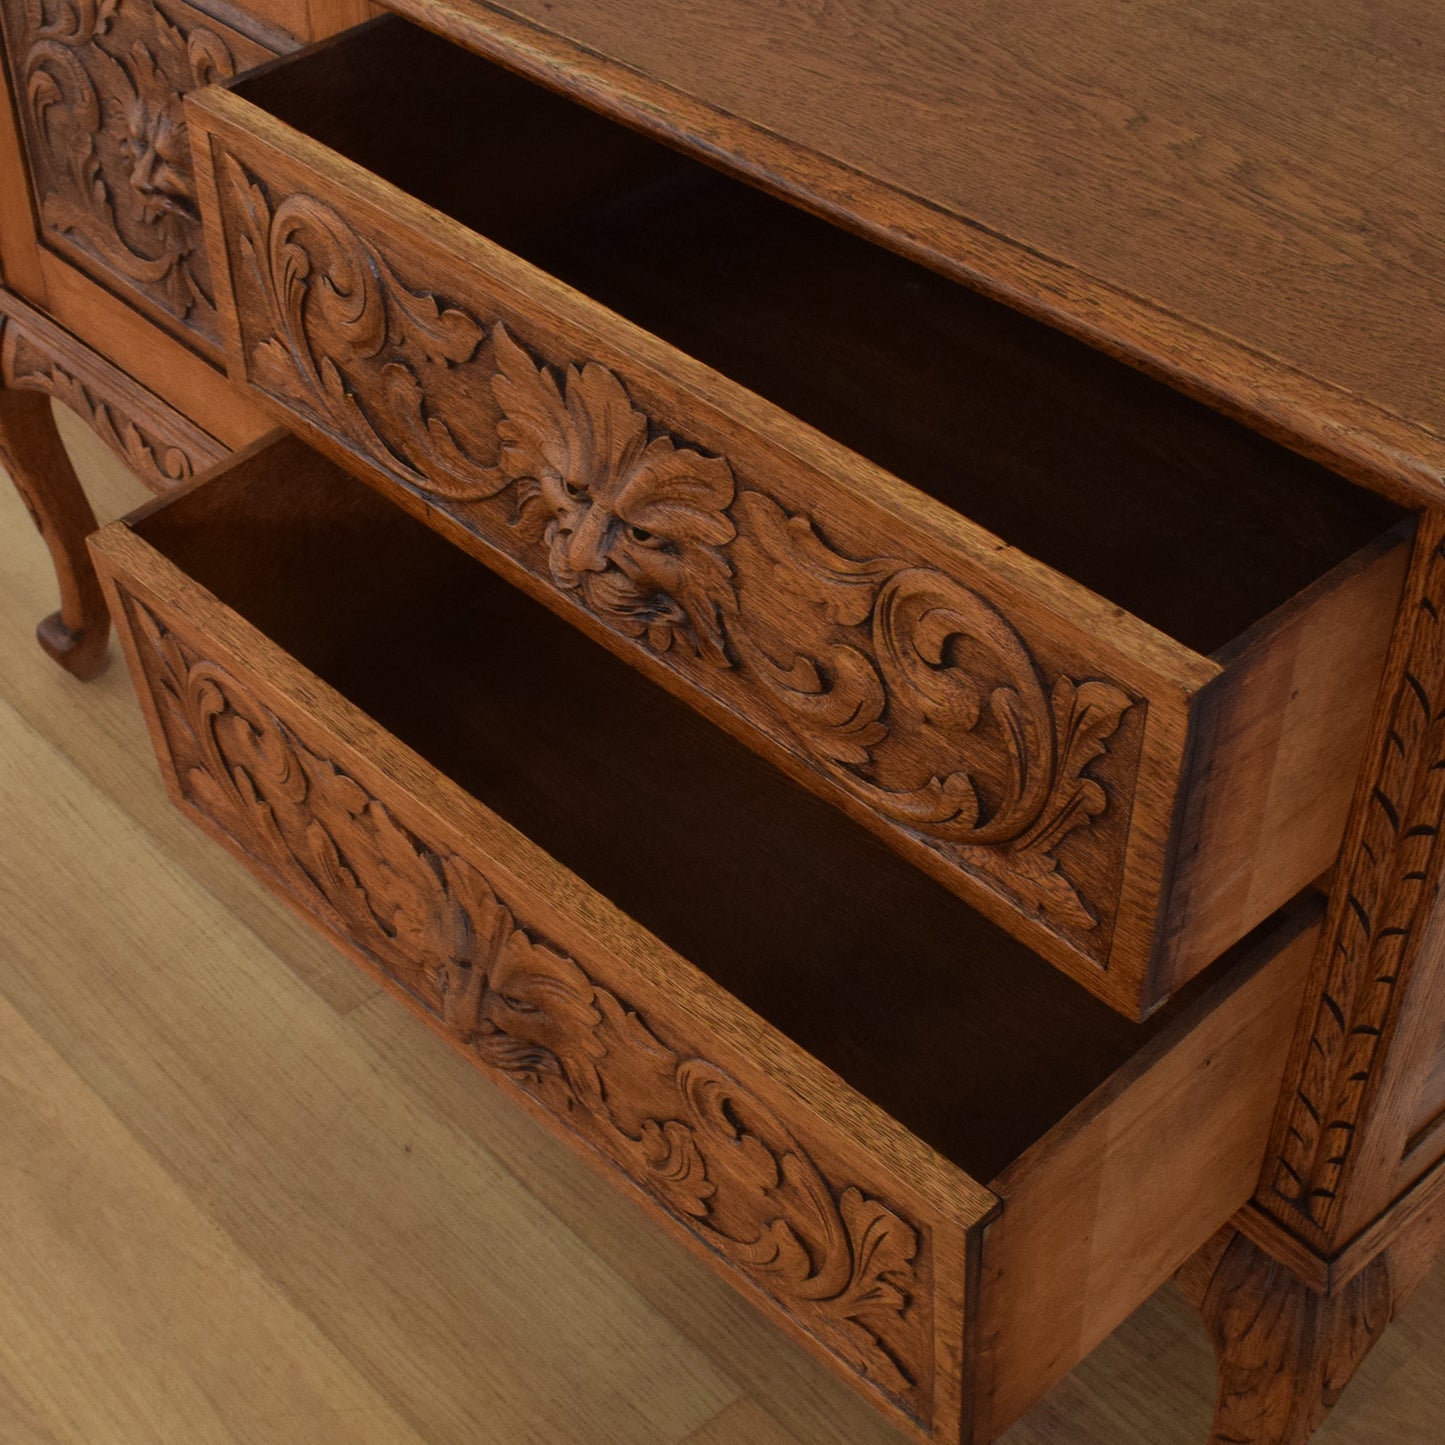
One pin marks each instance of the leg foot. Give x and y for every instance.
(1285, 1353)
(30, 447)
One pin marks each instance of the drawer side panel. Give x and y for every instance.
(1112, 1202)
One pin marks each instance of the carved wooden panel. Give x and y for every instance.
(908, 690)
(1380, 909)
(98, 84)
(847, 1267)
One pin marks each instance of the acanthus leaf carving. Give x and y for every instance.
(926, 703)
(845, 1265)
(1377, 921)
(102, 85)
(350, 344)
(632, 522)
(908, 689)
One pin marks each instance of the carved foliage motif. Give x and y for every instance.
(161, 460)
(1375, 918)
(1285, 1353)
(100, 83)
(712, 1154)
(911, 691)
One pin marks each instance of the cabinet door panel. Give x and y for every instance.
(98, 86)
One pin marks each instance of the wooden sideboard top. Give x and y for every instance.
(1245, 199)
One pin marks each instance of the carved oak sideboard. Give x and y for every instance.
(777, 504)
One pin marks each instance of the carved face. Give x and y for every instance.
(632, 522)
(156, 151)
(536, 1013)
(635, 557)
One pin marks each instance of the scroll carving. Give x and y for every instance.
(911, 691)
(921, 698)
(1376, 915)
(150, 451)
(847, 1267)
(99, 83)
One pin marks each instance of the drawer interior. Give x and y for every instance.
(958, 1031)
(1175, 513)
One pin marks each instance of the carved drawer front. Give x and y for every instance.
(98, 84)
(1128, 781)
(919, 1180)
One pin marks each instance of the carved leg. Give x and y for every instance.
(1285, 1351)
(32, 452)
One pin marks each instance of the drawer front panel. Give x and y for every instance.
(99, 87)
(805, 1223)
(986, 730)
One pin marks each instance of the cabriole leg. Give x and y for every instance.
(31, 449)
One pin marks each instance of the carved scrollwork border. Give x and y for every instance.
(850, 1269)
(910, 690)
(159, 445)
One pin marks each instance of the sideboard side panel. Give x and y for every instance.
(19, 264)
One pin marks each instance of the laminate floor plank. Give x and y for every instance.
(745, 1420)
(98, 725)
(461, 1300)
(183, 1338)
(223, 1152)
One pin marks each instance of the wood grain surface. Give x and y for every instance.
(267, 1222)
(1247, 199)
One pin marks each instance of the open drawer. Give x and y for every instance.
(931, 1157)
(1103, 668)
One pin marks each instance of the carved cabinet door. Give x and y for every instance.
(97, 85)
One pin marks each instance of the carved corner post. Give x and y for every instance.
(33, 454)
(1350, 1209)
(39, 361)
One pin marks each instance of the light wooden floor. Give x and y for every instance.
(243, 1198)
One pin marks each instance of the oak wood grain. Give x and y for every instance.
(1082, 1234)
(1286, 1351)
(147, 434)
(75, 636)
(1343, 429)
(39, 361)
(871, 1275)
(658, 1072)
(213, 1105)
(155, 360)
(19, 262)
(1231, 200)
(1362, 1049)
(98, 90)
(103, 736)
